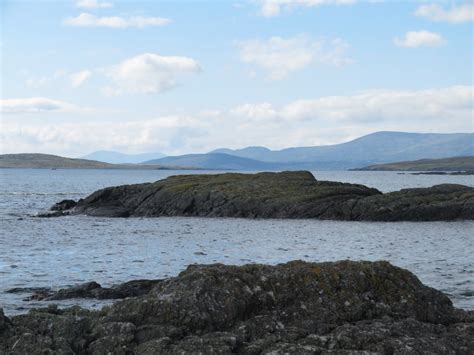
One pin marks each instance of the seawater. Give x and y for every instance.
(60, 252)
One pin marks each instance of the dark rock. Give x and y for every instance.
(4, 321)
(63, 205)
(440, 202)
(62, 208)
(149, 332)
(85, 290)
(293, 308)
(134, 288)
(92, 289)
(276, 195)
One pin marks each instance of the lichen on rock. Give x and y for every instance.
(293, 308)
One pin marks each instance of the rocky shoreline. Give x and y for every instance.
(341, 307)
(272, 195)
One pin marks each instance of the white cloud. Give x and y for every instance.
(281, 56)
(70, 138)
(380, 106)
(35, 105)
(457, 14)
(78, 78)
(148, 73)
(89, 20)
(413, 39)
(272, 8)
(93, 4)
(321, 120)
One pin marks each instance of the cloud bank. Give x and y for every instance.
(323, 120)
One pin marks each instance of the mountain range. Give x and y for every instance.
(372, 149)
(375, 148)
(112, 157)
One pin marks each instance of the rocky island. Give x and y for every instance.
(456, 164)
(341, 307)
(295, 194)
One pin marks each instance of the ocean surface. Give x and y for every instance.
(59, 252)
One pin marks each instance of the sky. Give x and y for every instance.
(183, 77)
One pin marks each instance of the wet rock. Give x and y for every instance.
(92, 289)
(63, 205)
(293, 308)
(86, 290)
(294, 194)
(59, 209)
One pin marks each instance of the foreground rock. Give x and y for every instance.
(273, 195)
(294, 308)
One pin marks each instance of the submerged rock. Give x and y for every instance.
(293, 308)
(275, 195)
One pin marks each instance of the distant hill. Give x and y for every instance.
(379, 147)
(257, 153)
(112, 157)
(47, 161)
(213, 161)
(446, 164)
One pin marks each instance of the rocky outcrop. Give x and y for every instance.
(273, 195)
(440, 202)
(91, 289)
(295, 308)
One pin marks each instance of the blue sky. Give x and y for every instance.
(191, 76)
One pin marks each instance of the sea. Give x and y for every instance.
(65, 251)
